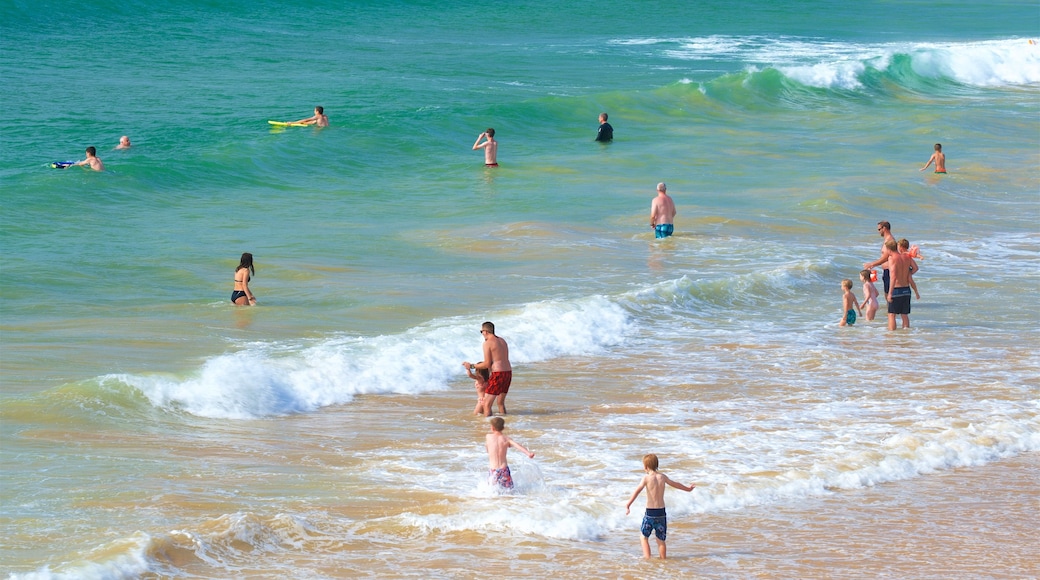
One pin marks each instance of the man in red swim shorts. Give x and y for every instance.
(496, 360)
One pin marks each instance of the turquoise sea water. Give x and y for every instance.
(784, 131)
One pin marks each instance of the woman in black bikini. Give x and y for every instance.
(241, 296)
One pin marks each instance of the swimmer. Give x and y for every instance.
(92, 160)
(480, 382)
(938, 158)
(490, 147)
(662, 213)
(497, 444)
(318, 118)
(606, 132)
(870, 294)
(124, 142)
(241, 295)
(848, 300)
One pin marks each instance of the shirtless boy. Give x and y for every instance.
(496, 360)
(848, 302)
(898, 296)
(938, 158)
(490, 147)
(904, 248)
(655, 520)
(92, 160)
(662, 213)
(318, 118)
(497, 444)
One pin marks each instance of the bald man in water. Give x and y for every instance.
(662, 213)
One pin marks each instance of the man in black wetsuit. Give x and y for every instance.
(606, 132)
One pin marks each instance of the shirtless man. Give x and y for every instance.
(318, 118)
(496, 360)
(901, 265)
(490, 147)
(124, 142)
(938, 158)
(92, 160)
(885, 229)
(662, 213)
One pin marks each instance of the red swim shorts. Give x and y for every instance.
(498, 384)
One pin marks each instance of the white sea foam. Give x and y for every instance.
(267, 379)
(995, 63)
(580, 503)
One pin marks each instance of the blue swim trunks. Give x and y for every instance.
(655, 521)
(850, 317)
(663, 230)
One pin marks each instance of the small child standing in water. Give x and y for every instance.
(870, 295)
(480, 380)
(848, 300)
(655, 520)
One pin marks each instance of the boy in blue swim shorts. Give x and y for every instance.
(655, 520)
(848, 300)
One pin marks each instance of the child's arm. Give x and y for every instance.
(678, 485)
(635, 494)
(520, 447)
(930, 161)
(913, 270)
(914, 286)
(308, 121)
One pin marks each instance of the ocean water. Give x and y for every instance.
(150, 429)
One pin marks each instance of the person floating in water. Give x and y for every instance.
(497, 444)
(92, 160)
(490, 147)
(606, 132)
(938, 158)
(124, 142)
(318, 118)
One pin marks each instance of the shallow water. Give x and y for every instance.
(152, 430)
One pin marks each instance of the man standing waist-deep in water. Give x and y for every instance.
(662, 213)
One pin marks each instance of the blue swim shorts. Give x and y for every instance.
(663, 230)
(655, 521)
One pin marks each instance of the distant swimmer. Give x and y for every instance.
(655, 520)
(848, 301)
(606, 132)
(92, 160)
(241, 295)
(490, 147)
(124, 142)
(318, 118)
(497, 445)
(938, 159)
(662, 213)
